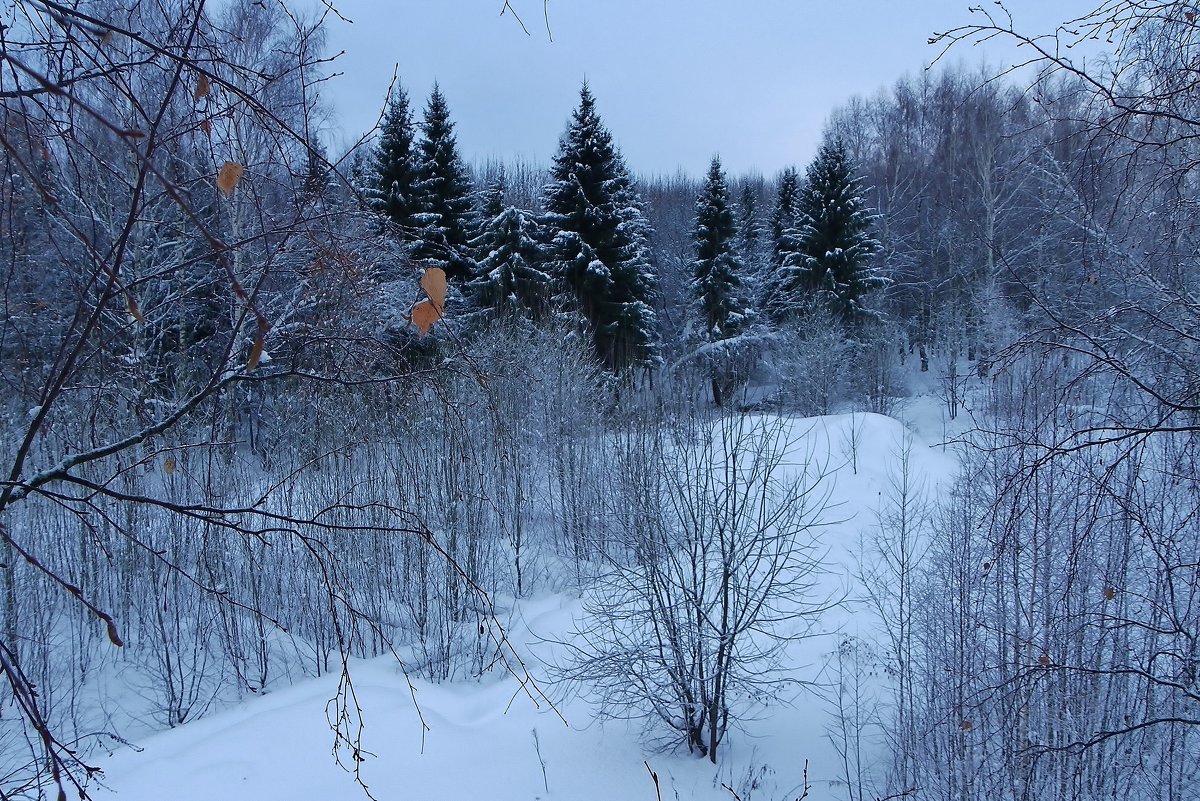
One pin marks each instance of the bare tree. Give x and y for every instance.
(175, 244)
(719, 571)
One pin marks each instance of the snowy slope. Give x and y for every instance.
(481, 742)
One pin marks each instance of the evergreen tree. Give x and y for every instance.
(834, 247)
(717, 281)
(316, 183)
(717, 268)
(749, 230)
(444, 193)
(391, 180)
(783, 223)
(599, 250)
(491, 204)
(510, 276)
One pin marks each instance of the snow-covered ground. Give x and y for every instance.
(488, 739)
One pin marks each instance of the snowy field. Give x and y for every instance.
(489, 739)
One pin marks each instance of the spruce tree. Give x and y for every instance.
(317, 181)
(444, 193)
(510, 278)
(392, 175)
(599, 250)
(491, 204)
(749, 231)
(782, 229)
(717, 279)
(833, 245)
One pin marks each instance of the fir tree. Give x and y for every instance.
(717, 268)
(392, 176)
(599, 250)
(717, 281)
(831, 260)
(316, 183)
(510, 276)
(782, 224)
(749, 230)
(491, 204)
(444, 193)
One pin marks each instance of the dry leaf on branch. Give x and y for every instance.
(132, 306)
(256, 352)
(434, 284)
(228, 177)
(424, 315)
(169, 465)
(203, 87)
(428, 312)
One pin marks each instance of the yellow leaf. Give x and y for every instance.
(228, 177)
(169, 465)
(424, 315)
(434, 284)
(202, 87)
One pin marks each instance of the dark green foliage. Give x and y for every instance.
(832, 240)
(316, 183)
(392, 176)
(782, 224)
(717, 269)
(717, 280)
(599, 249)
(749, 230)
(510, 278)
(783, 216)
(444, 193)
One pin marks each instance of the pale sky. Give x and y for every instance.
(675, 80)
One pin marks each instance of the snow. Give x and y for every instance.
(484, 737)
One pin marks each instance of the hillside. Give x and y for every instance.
(484, 737)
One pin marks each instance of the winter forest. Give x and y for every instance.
(871, 479)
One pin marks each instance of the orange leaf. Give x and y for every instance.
(202, 87)
(132, 306)
(434, 284)
(424, 315)
(256, 352)
(169, 465)
(228, 177)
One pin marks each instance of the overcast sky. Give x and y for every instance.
(675, 80)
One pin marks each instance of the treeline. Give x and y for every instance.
(585, 252)
(1037, 623)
